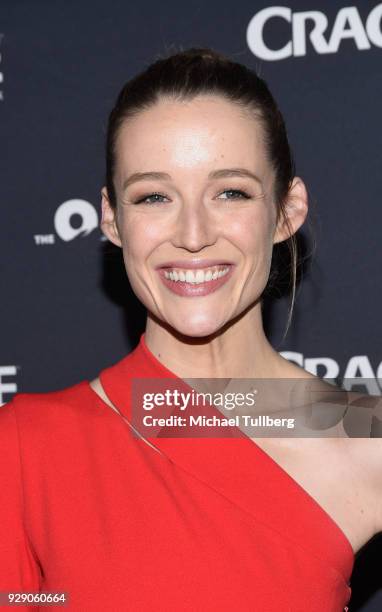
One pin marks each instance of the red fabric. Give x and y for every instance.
(206, 524)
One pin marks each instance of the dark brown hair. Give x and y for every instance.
(197, 71)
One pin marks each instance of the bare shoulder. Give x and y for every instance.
(358, 460)
(363, 455)
(368, 449)
(361, 459)
(288, 369)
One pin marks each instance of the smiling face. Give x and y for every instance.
(193, 210)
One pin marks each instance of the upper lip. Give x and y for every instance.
(194, 263)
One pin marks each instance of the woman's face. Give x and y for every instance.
(212, 199)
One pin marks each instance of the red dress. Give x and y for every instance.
(204, 525)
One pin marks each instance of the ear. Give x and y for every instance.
(109, 222)
(296, 209)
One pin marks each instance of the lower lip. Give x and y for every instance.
(192, 290)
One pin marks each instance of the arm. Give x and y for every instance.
(376, 432)
(19, 570)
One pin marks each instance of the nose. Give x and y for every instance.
(195, 227)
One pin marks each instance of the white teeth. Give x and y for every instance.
(199, 276)
(196, 276)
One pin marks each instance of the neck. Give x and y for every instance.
(240, 350)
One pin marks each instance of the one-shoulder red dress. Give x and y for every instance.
(206, 524)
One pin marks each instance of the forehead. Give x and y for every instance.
(190, 134)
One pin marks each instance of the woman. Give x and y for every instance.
(199, 188)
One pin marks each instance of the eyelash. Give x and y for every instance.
(149, 195)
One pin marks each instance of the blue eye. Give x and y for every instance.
(142, 200)
(242, 193)
(149, 195)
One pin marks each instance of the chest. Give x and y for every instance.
(141, 532)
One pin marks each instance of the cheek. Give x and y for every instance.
(252, 233)
(141, 233)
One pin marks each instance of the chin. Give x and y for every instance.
(196, 327)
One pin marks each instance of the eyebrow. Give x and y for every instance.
(161, 176)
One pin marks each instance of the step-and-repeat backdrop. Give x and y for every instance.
(67, 310)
